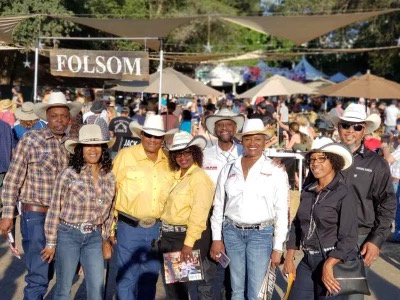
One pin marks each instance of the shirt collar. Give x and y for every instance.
(331, 185)
(193, 168)
(142, 154)
(47, 134)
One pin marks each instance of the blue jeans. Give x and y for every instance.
(74, 247)
(33, 241)
(138, 265)
(249, 251)
(308, 284)
(396, 234)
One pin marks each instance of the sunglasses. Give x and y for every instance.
(319, 159)
(184, 154)
(149, 136)
(356, 127)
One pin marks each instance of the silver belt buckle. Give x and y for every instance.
(87, 228)
(147, 222)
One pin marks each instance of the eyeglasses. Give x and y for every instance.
(356, 127)
(319, 159)
(149, 136)
(184, 154)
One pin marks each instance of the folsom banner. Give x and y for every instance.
(122, 65)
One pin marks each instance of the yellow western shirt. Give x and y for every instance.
(142, 185)
(189, 202)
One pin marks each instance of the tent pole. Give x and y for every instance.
(161, 72)
(35, 82)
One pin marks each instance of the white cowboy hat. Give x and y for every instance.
(56, 99)
(153, 125)
(25, 112)
(325, 144)
(356, 113)
(254, 126)
(224, 114)
(183, 140)
(89, 134)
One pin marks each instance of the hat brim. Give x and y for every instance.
(19, 114)
(211, 120)
(40, 109)
(198, 140)
(337, 149)
(268, 132)
(6, 106)
(136, 129)
(71, 144)
(373, 121)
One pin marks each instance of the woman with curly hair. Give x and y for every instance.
(186, 209)
(325, 221)
(80, 214)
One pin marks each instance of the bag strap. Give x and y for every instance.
(226, 195)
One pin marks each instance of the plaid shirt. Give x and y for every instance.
(36, 162)
(75, 200)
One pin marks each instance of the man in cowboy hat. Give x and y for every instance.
(143, 180)
(224, 125)
(37, 160)
(370, 180)
(27, 120)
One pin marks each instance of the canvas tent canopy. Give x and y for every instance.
(338, 77)
(310, 72)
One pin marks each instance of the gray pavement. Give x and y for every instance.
(384, 277)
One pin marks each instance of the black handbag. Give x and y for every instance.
(350, 274)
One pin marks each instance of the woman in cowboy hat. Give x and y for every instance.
(6, 113)
(326, 216)
(250, 212)
(186, 209)
(79, 216)
(27, 120)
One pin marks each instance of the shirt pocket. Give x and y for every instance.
(78, 191)
(132, 184)
(43, 163)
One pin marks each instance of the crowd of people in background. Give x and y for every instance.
(88, 172)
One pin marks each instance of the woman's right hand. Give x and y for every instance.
(216, 248)
(47, 254)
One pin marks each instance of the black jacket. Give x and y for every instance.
(370, 179)
(334, 218)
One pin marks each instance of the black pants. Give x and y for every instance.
(173, 241)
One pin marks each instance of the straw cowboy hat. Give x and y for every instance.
(356, 113)
(153, 125)
(325, 144)
(56, 99)
(254, 126)
(224, 114)
(88, 135)
(25, 112)
(6, 104)
(183, 140)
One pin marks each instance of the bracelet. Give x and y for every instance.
(51, 246)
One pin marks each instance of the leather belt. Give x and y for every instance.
(312, 252)
(257, 226)
(173, 228)
(131, 221)
(33, 207)
(84, 227)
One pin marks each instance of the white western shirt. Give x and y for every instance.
(215, 159)
(262, 196)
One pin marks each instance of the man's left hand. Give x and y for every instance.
(186, 253)
(370, 253)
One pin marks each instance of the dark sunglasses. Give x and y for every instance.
(356, 127)
(149, 136)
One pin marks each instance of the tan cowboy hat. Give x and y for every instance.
(25, 112)
(325, 144)
(88, 135)
(356, 113)
(224, 114)
(254, 126)
(56, 99)
(183, 140)
(153, 125)
(6, 104)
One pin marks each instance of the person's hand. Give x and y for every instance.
(217, 247)
(186, 253)
(275, 258)
(331, 284)
(289, 268)
(5, 225)
(47, 254)
(285, 134)
(370, 253)
(113, 239)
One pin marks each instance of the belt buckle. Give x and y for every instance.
(86, 228)
(147, 222)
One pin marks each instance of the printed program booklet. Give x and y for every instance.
(176, 270)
